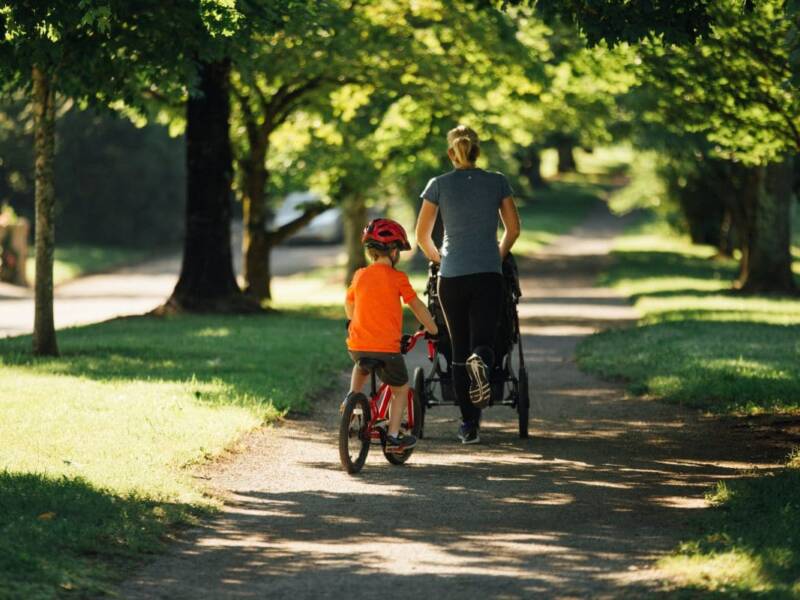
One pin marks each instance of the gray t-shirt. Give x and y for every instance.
(469, 200)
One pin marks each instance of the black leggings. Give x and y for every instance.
(471, 306)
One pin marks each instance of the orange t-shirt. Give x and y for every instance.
(377, 323)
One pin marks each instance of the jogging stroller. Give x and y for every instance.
(509, 387)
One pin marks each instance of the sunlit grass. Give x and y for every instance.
(749, 545)
(702, 344)
(698, 342)
(109, 430)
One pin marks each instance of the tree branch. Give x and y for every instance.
(276, 236)
(249, 117)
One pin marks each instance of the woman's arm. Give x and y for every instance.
(425, 223)
(510, 218)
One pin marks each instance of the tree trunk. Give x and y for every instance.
(207, 282)
(355, 219)
(766, 265)
(727, 239)
(566, 157)
(255, 241)
(530, 167)
(44, 332)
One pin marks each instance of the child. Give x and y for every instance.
(376, 320)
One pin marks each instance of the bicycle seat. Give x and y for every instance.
(370, 363)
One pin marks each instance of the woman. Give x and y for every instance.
(470, 277)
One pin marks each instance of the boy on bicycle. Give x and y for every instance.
(376, 320)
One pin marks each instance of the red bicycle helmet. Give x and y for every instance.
(385, 234)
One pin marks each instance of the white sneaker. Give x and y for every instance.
(480, 392)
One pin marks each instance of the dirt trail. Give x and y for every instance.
(604, 485)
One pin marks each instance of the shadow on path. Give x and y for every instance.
(605, 484)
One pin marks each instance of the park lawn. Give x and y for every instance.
(702, 345)
(748, 543)
(698, 342)
(75, 260)
(94, 446)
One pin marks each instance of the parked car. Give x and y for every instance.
(326, 228)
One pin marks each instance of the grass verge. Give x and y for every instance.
(76, 260)
(698, 342)
(705, 346)
(749, 545)
(93, 446)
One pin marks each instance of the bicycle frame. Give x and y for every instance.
(380, 400)
(379, 403)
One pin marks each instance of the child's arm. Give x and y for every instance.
(423, 315)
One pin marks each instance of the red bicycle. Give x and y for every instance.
(364, 421)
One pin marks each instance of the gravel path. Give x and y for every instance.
(604, 485)
(136, 289)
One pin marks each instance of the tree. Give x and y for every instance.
(284, 73)
(45, 47)
(397, 48)
(735, 90)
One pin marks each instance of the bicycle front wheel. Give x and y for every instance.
(354, 433)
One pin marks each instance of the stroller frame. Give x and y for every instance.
(434, 386)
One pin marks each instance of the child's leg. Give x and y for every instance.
(399, 400)
(358, 379)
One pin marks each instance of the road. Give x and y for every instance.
(605, 485)
(136, 289)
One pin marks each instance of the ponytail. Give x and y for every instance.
(463, 141)
(462, 147)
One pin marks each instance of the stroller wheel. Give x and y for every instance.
(523, 402)
(419, 392)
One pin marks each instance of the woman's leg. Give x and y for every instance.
(454, 294)
(484, 315)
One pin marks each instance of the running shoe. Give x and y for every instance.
(480, 392)
(468, 433)
(401, 443)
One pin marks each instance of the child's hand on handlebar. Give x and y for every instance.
(405, 342)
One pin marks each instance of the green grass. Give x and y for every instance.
(75, 260)
(94, 446)
(749, 542)
(698, 342)
(701, 344)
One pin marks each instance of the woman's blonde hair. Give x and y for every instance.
(463, 141)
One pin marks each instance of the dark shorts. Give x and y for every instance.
(393, 372)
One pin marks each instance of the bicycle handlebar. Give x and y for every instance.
(412, 341)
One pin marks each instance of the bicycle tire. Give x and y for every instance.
(399, 459)
(523, 402)
(419, 392)
(354, 461)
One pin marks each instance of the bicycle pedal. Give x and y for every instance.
(382, 424)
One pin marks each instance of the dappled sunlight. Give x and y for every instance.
(681, 502)
(214, 332)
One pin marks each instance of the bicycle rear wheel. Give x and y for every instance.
(354, 433)
(399, 459)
